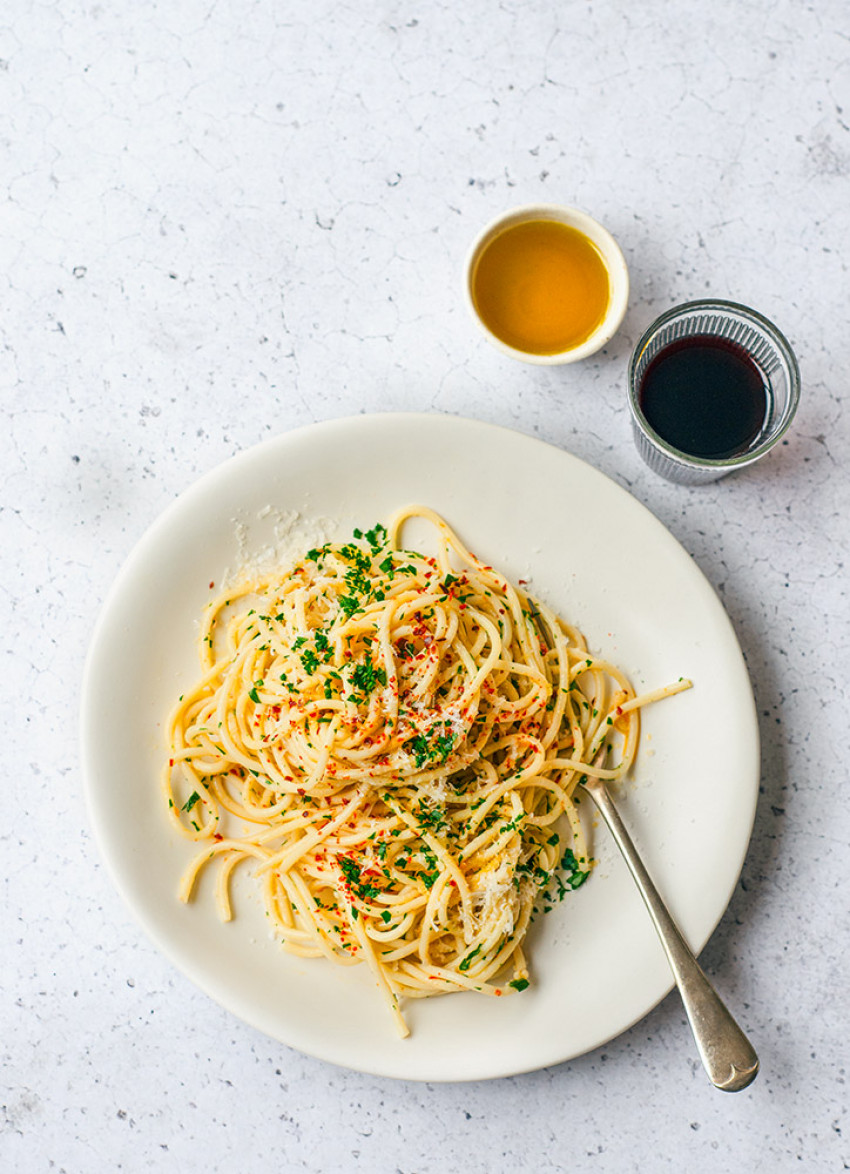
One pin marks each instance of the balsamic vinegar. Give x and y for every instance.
(705, 396)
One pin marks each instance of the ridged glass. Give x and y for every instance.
(766, 346)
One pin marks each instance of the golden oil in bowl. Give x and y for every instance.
(547, 284)
(541, 287)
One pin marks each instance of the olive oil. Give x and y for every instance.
(541, 287)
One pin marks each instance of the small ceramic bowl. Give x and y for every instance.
(612, 258)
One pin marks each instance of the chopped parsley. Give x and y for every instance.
(574, 876)
(431, 815)
(310, 661)
(350, 605)
(365, 890)
(464, 964)
(365, 676)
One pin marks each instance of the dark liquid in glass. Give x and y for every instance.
(705, 396)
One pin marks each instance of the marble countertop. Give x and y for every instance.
(225, 220)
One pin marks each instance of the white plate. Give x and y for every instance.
(592, 552)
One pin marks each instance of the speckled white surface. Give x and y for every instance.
(223, 220)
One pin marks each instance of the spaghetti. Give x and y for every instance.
(395, 739)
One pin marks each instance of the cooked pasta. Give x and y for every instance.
(394, 740)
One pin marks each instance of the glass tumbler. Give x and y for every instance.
(745, 331)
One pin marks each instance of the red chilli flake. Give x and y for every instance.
(212, 585)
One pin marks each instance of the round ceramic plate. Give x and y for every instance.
(589, 550)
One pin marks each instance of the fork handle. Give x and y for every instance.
(727, 1055)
